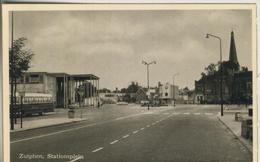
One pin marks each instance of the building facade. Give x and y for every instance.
(64, 88)
(168, 93)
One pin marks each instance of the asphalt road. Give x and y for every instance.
(181, 134)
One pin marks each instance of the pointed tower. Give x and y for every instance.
(233, 53)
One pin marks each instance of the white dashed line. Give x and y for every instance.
(148, 126)
(208, 114)
(186, 113)
(153, 123)
(96, 150)
(115, 141)
(126, 136)
(134, 132)
(142, 129)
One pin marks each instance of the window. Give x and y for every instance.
(27, 79)
(166, 94)
(34, 78)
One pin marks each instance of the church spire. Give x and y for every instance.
(233, 52)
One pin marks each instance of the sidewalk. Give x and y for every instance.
(27, 125)
(235, 126)
(58, 117)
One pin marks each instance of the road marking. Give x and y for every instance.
(142, 129)
(208, 114)
(73, 129)
(126, 136)
(148, 126)
(153, 123)
(196, 113)
(186, 113)
(54, 133)
(78, 158)
(134, 132)
(96, 150)
(115, 141)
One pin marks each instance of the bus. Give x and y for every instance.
(34, 103)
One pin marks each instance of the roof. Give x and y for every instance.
(74, 76)
(59, 74)
(84, 76)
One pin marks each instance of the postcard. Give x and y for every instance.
(129, 82)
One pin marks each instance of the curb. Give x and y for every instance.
(46, 126)
(238, 137)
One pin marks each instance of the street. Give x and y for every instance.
(185, 133)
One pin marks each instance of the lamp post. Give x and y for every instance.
(147, 67)
(221, 70)
(173, 88)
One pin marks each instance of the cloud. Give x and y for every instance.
(112, 44)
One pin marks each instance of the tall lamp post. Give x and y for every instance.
(173, 89)
(221, 70)
(147, 66)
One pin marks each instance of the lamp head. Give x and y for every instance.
(207, 36)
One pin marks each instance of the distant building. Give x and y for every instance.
(186, 96)
(236, 87)
(64, 88)
(168, 93)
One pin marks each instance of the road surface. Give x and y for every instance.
(184, 133)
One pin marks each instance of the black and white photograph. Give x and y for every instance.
(147, 83)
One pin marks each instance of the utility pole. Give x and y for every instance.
(147, 69)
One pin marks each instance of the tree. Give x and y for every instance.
(20, 58)
(104, 90)
(132, 88)
(244, 69)
(203, 75)
(211, 69)
(123, 90)
(19, 62)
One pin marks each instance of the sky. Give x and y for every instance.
(112, 44)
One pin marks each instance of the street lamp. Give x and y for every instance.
(221, 71)
(147, 66)
(173, 88)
